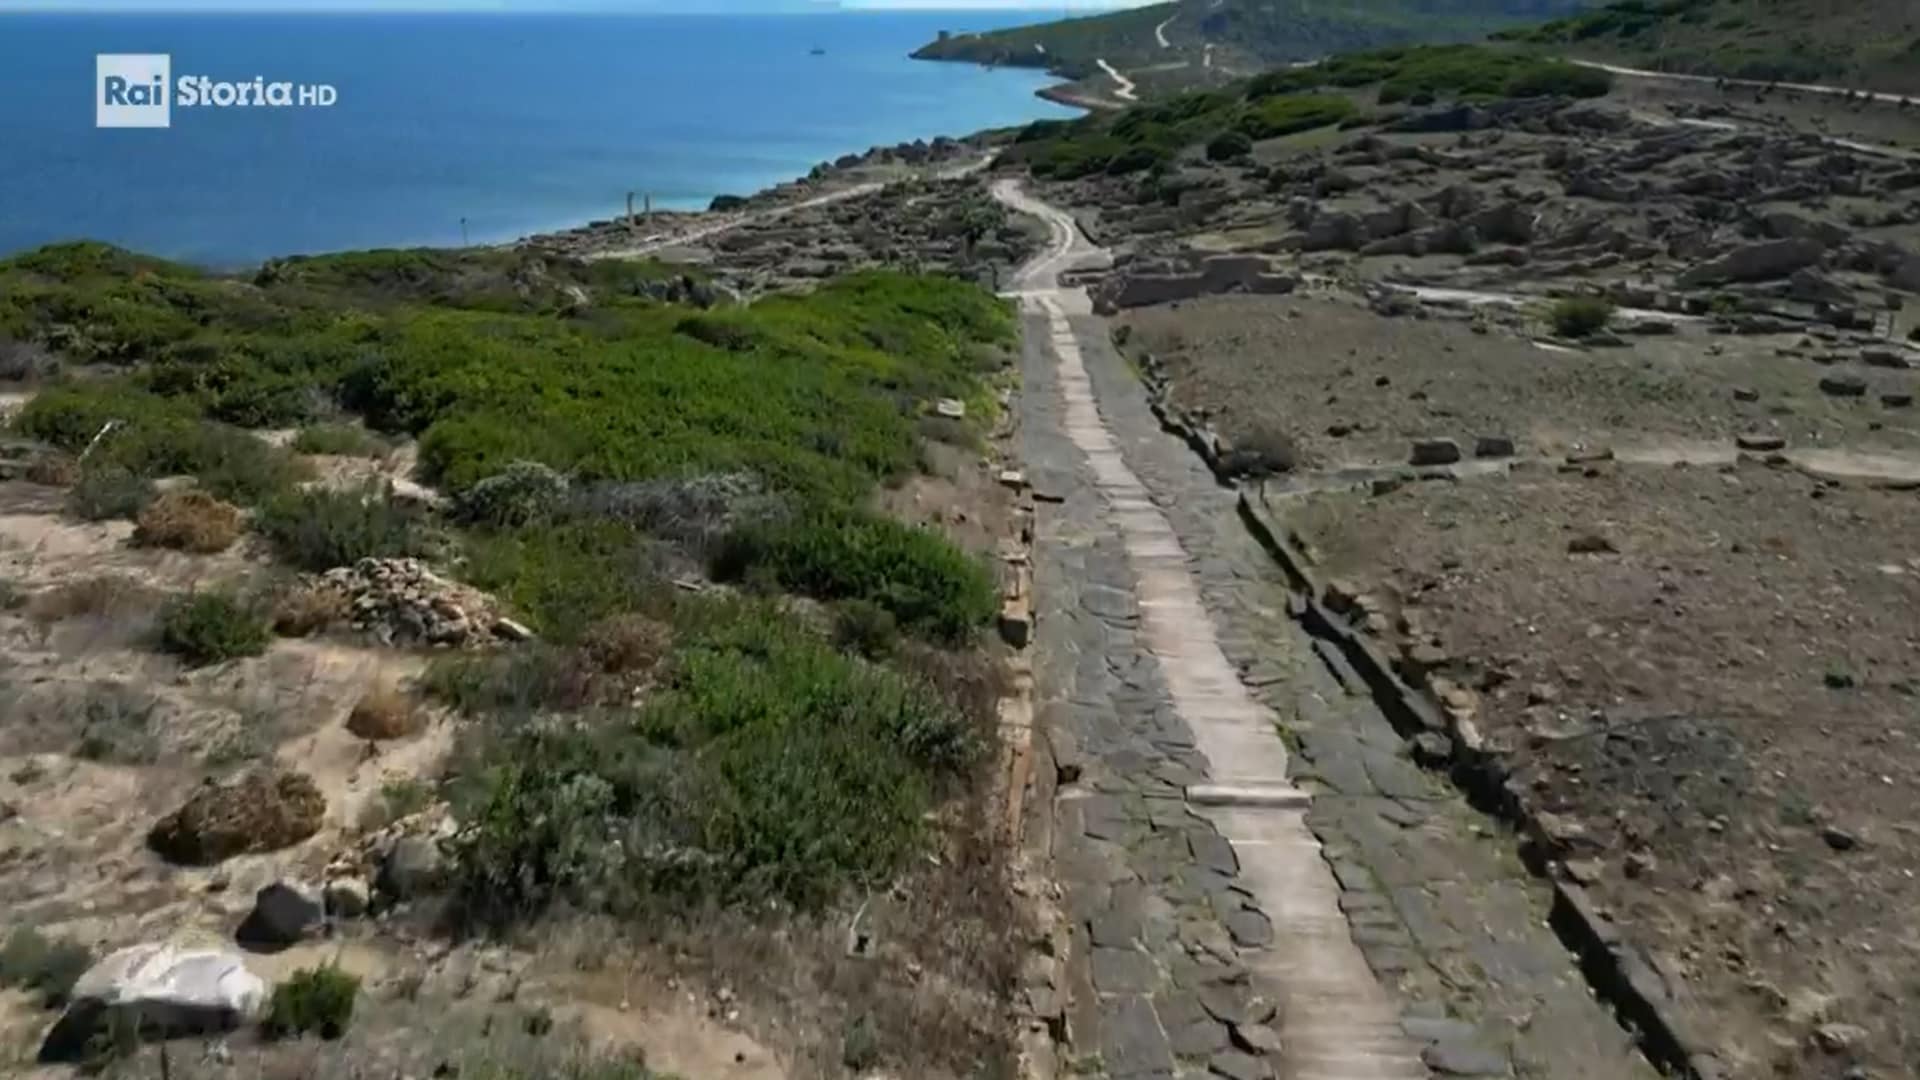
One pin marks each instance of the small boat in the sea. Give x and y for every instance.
(818, 51)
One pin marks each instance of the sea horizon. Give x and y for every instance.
(521, 123)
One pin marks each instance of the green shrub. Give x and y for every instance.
(1278, 116)
(524, 493)
(565, 578)
(1229, 146)
(210, 627)
(1554, 78)
(865, 628)
(43, 966)
(108, 492)
(765, 764)
(1579, 316)
(317, 530)
(342, 440)
(318, 1000)
(927, 584)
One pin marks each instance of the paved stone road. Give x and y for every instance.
(1383, 932)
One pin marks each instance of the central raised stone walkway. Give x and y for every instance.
(1333, 1020)
(1214, 925)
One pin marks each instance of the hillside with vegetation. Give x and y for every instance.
(580, 559)
(1248, 34)
(1865, 44)
(1352, 90)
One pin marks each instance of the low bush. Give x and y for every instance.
(108, 492)
(53, 470)
(567, 577)
(114, 596)
(304, 608)
(1302, 112)
(318, 530)
(118, 725)
(931, 587)
(188, 520)
(317, 1000)
(1229, 146)
(626, 643)
(536, 678)
(695, 513)
(865, 628)
(524, 493)
(211, 627)
(765, 764)
(1580, 316)
(340, 440)
(43, 966)
(21, 361)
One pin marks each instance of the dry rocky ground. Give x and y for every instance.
(1663, 566)
(902, 206)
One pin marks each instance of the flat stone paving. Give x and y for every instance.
(1174, 969)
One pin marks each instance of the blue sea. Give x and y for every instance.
(516, 123)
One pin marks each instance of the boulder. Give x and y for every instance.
(1843, 384)
(161, 989)
(413, 868)
(1341, 232)
(1434, 452)
(1756, 262)
(282, 915)
(1493, 446)
(1507, 223)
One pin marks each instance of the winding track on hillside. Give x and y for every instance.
(1754, 84)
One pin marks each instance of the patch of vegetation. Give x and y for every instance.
(340, 440)
(1784, 41)
(117, 725)
(1289, 114)
(43, 966)
(109, 492)
(913, 574)
(317, 530)
(1229, 146)
(1264, 31)
(764, 764)
(188, 520)
(317, 1000)
(864, 628)
(524, 493)
(1580, 316)
(304, 608)
(1290, 101)
(211, 627)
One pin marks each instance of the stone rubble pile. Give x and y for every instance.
(401, 601)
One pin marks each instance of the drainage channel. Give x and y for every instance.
(1335, 1020)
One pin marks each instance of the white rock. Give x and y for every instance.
(172, 987)
(348, 896)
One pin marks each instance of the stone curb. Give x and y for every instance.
(1617, 971)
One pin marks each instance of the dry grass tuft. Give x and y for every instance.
(109, 595)
(188, 521)
(622, 644)
(307, 608)
(53, 470)
(385, 712)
